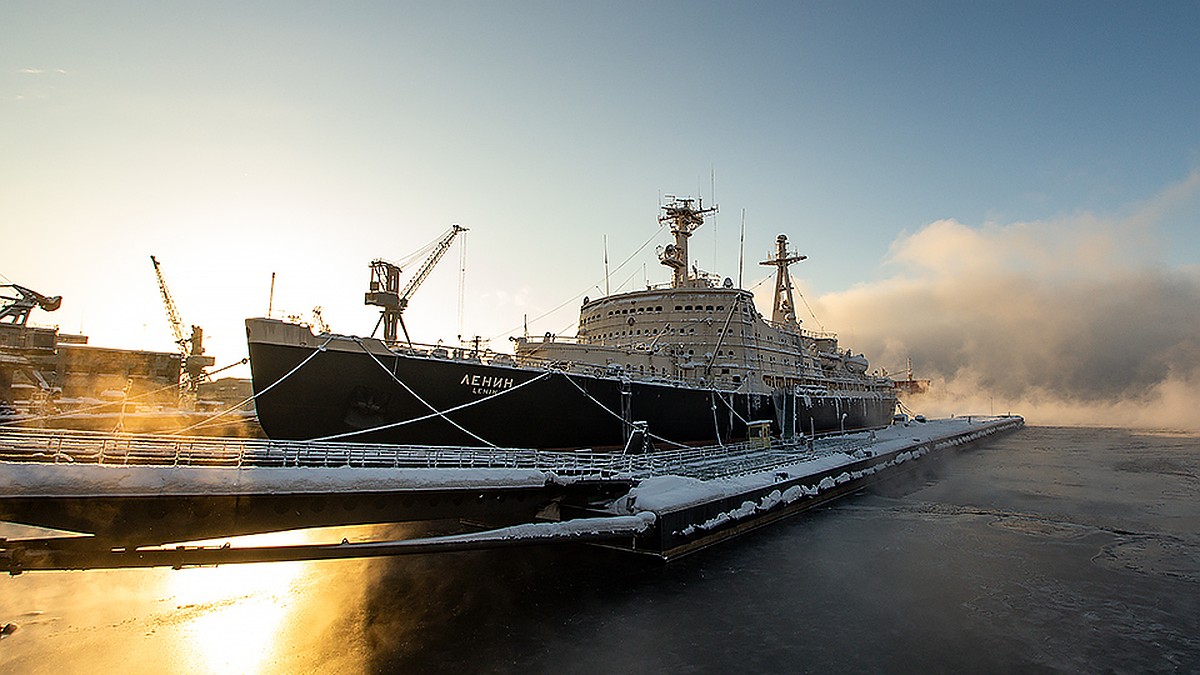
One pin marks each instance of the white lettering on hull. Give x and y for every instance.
(486, 385)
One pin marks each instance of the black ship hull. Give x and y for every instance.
(358, 391)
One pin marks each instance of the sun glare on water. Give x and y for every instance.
(233, 615)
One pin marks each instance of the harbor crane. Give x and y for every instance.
(191, 348)
(27, 351)
(385, 287)
(16, 312)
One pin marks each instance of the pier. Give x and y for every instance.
(137, 500)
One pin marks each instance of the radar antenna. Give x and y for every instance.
(684, 219)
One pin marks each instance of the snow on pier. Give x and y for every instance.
(666, 502)
(61, 463)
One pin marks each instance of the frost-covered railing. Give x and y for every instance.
(79, 447)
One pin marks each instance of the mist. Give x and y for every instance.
(1070, 321)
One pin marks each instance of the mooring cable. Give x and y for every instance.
(254, 396)
(610, 412)
(85, 409)
(435, 411)
(716, 424)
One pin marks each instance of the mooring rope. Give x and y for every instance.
(610, 412)
(716, 424)
(435, 412)
(417, 396)
(79, 411)
(729, 405)
(254, 396)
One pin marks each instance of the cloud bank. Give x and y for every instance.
(1072, 321)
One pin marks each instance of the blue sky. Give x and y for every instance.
(233, 140)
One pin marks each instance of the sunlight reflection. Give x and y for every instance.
(234, 613)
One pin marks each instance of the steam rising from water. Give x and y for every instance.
(1069, 321)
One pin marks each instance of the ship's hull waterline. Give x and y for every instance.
(358, 390)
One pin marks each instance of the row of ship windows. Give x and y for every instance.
(658, 308)
(648, 331)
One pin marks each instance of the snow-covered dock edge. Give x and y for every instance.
(690, 515)
(677, 506)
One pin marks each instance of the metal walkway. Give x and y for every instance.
(705, 463)
(142, 498)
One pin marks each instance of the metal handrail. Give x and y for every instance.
(80, 447)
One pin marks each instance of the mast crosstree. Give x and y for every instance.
(784, 310)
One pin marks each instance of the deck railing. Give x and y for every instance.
(79, 447)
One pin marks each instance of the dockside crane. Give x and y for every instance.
(17, 309)
(29, 351)
(191, 348)
(386, 293)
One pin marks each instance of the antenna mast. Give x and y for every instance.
(785, 307)
(742, 249)
(684, 219)
(606, 291)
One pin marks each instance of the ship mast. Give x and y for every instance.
(785, 307)
(684, 219)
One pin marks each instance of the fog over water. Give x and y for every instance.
(1068, 321)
